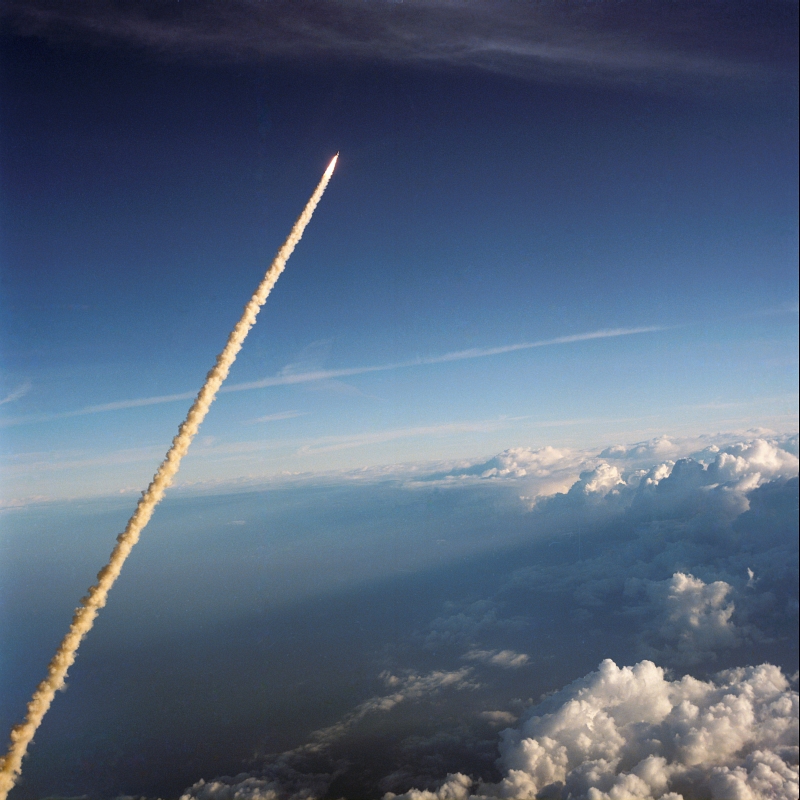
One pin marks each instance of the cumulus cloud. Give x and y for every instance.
(702, 448)
(745, 465)
(738, 466)
(518, 462)
(702, 462)
(499, 719)
(689, 487)
(456, 787)
(246, 787)
(716, 519)
(630, 730)
(713, 481)
(689, 620)
(658, 448)
(631, 733)
(598, 481)
(694, 552)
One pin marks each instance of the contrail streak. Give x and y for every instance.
(284, 379)
(289, 378)
(97, 595)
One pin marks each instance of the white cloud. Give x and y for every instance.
(751, 579)
(724, 460)
(540, 472)
(528, 41)
(658, 448)
(686, 562)
(619, 726)
(411, 686)
(498, 658)
(285, 778)
(706, 448)
(499, 719)
(17, 393)
(631, 733)
(688, 486)
(456, 787)
(248, 788)
(688, 620)
(738, 465)
(598, 481)
(622, 733)
(280, 415)
(518, 462)
(745, 465)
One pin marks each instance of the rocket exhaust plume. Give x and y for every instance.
(85, 614)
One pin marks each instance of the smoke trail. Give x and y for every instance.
(97, 595)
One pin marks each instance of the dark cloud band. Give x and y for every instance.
(543, 41)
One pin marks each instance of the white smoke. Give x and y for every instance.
(86, 613)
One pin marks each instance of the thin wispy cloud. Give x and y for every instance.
(71, 460)
(284, 379)
(535, 41)
(788, 307)
(25, 464)
(332, 443)
(276, 417)
(751, 401)
(291, 377)
(17, 393)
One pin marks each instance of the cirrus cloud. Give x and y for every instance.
(541, 41)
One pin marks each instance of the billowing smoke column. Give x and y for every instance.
(86, 613)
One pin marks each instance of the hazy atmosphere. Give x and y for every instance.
(500, 498)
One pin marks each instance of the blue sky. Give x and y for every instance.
(143, 200)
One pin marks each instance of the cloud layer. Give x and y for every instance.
(676, 554)
(623, 733)
(372, 632)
